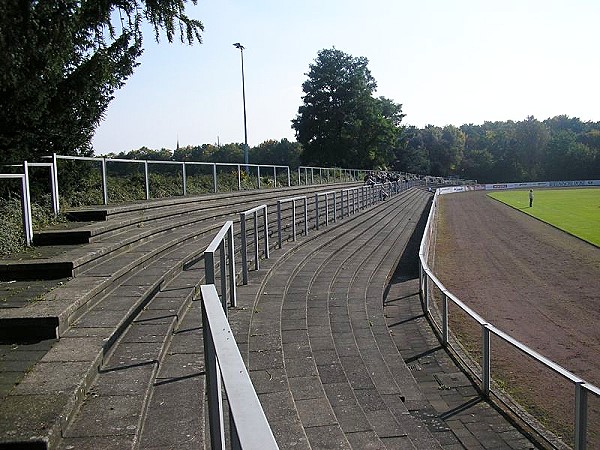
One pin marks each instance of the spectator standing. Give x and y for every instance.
(530, 198)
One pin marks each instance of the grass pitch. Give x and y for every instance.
(576, 211)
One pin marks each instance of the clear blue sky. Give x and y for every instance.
(445, 61)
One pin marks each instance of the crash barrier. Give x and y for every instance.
(225, 371)
(430, 287)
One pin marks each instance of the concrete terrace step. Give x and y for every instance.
(125, 225)
(99, 265)
(43, 409)
(320, 359)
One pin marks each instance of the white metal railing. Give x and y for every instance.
(223, 237)
(581, 388)
(244, 250)
(326, 196)
(293, 201)
(249, 428)
(103, 162)
(25, 202)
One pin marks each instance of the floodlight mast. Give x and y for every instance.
(242, 48)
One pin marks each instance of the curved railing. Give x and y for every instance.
(430, 288)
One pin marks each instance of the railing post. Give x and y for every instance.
(305, 216)
(258, 175)
(104, 182)
(289, 176)
(266, 232)
(317, 210)
(334, 207)
(279, 222)
(485, 362)
(327, 209)
(54, 183)
(274, 176)
(232, 283)
(312, 176)
(213, 386)
(244, 251)
(223, 271)
(183, 174)
(580, 416)
(294, 220)
(444, 319)
(147, 180)
(256, 258)
(215, 178)
(239, 177)
(26, 206)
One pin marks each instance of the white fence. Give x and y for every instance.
(431, 288)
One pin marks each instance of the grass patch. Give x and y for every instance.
(575, 211)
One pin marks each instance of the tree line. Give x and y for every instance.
(558, 148)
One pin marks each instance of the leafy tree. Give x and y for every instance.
(61, 62)
(284, 153)
(340, 123)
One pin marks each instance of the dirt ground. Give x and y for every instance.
(530, 280)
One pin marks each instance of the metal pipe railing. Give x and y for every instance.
(244, 250)
(225, 369)
(225, 235)
(293, 201)
(580, 386)
(25, 202)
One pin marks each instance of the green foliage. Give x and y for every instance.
(62, 60)
(559, 148)
(12, 239)
(340, 123)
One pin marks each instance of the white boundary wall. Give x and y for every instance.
(527, 185)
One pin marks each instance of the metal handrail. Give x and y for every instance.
(326, 195)
(582, 388)
(243, 216)
(249, 426)
(25, 201)
(292, 200)
(225, 234)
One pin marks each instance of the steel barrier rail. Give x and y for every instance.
(249, 428)
(326, 195)
(244, 250)
(25, 201)
(218, 243)
(103, 161)
(292, 200)
(581, 387)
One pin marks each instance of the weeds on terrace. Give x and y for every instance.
(11, 223)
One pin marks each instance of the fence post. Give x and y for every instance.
(244, 251)
(317, 210)
(256, 258)
(215, 178)
(54, 181)
(305, 216)
(104, 182)
(26, 206)
(444, 319)
(232, 284)
(274, 176)
(580, 416)
(239, 177)
(266, 232)
(183, 173)
(294, 220)
(485, 363)
(289, 177)
(279, 222)
(213, 387)
(258, 175)
(334, 207)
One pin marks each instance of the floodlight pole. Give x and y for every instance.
(241, 47)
